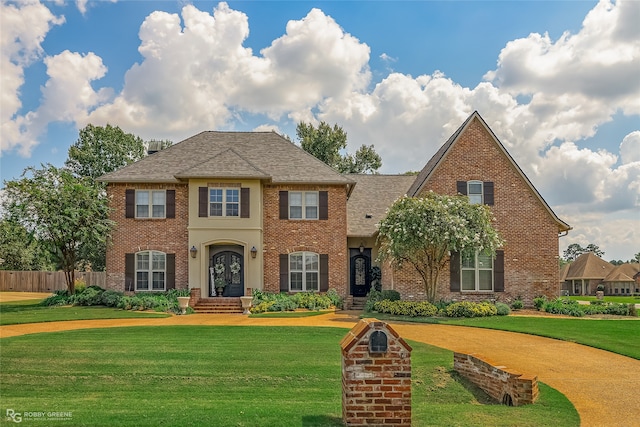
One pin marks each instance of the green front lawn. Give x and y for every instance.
(230, 376)
(608, 298)
(617, 336)
(30, 311)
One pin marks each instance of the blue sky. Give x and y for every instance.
(558, 82)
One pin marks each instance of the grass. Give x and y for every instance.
(617, 336)
(29, 311)
(230, 376)
(608, 298)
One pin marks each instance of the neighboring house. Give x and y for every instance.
(582, 276)
(255, 211)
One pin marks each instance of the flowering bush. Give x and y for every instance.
(471, 309)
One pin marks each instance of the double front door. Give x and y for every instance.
(227, 267)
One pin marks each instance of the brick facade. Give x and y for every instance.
(283, 236)
(376, 387)
(130, 235)
(529, 230)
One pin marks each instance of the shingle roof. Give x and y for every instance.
(589, 266)
(433, 163)
(623, 273)
(259, 155)
(372, 196)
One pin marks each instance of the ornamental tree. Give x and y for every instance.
(422, 232)
(60, 209)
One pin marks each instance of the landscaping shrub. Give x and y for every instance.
(471, 309)
(538, 302)
(390, 295)
(89, 296)
(335, 298)
(502, 309)
(563, 306)
(406, 308)
(59, 297)
(111, 298)
(517, 304)
(375, 296)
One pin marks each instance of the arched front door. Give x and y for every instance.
(228, 266)
(360, 277)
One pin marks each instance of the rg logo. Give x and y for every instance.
(14, 416)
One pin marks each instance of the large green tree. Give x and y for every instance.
(328, 144)
(422, 232)
(574, 250)
(61, 209)
(101, 150)
(20, 250)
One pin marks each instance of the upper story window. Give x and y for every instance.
(476, 272)
(150, 271)
(478, 192)
(220, 201)
(304, 271)
(145, 204)
(150, 203)
(303, 205)
(474, 191)
(224, 202)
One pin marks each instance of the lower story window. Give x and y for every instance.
(150, 271)
(304, 271)
(477, 272)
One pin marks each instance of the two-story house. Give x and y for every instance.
(254, 211)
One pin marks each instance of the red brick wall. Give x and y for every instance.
(376, 387)
(320, 236)
(497, 381)
(531, 234)
(132, 235)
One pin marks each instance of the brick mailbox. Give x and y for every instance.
(376, 376)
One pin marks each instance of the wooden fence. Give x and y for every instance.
(45, 281)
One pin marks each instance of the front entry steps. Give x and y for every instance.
(358, 303)
(219, 305)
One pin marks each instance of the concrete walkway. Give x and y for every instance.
(603, 386)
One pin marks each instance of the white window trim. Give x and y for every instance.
(224, 202)
(150, 204)
(481, 194)
(477, 270)
(150, 272)
(304, 205)
(304, 272)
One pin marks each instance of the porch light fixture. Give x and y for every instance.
(361, 248)
(254, 252)
(193, 251)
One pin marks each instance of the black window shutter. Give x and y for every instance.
(487, 187)
(170, 278)
(203, 202)
(461, 187)
(171, 203)
(130, 203)
(323, 205)
(129, 272)
(245, 202)
(454, 272)
(284, 272)
(498, 272)
(284, 205)
(324, 272)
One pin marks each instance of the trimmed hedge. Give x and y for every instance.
(406, 308)
(267, 301)
(471, 309)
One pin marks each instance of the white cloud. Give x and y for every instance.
(24, 27)
(201, 76)
(630, 148)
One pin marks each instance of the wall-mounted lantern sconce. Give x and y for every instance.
(254, 252)
(193, 251)
(361, 247)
